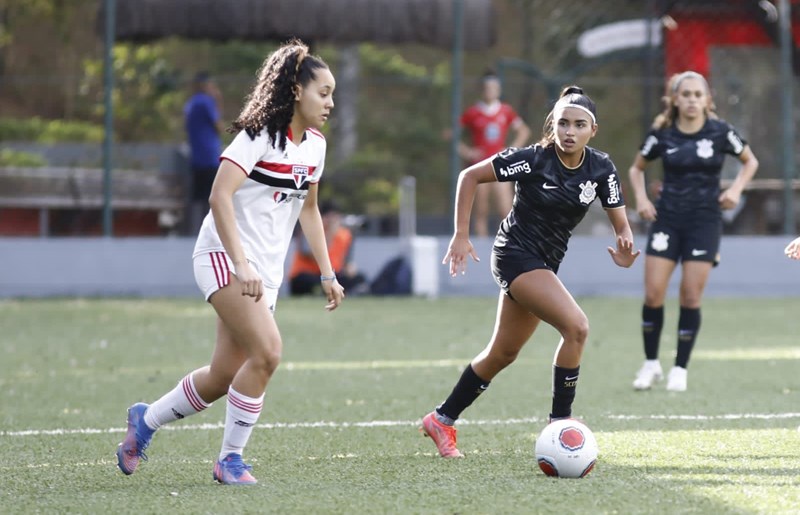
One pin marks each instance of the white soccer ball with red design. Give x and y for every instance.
(566, 448)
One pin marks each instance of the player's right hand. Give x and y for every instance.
(252, 286)
(646, 210)
(458, 250)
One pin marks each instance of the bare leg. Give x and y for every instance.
(513, 327)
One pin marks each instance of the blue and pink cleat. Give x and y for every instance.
(233, 471)
(138, 437)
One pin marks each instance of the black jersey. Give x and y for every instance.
(692, 164)
(551, 199)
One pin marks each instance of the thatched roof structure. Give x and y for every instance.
(337, 21)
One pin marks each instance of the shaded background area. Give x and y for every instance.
(394, 98)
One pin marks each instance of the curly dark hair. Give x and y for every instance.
(271, 103)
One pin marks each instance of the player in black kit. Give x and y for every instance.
(687, 220)
(555, 182)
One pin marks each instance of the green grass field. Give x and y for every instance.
(339, 429)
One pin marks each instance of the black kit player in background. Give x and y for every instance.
(555, 182)
(687, 219)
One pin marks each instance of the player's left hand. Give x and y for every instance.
(334, 292)
(729, 199)
(624, 255)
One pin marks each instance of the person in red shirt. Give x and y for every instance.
(488, 122)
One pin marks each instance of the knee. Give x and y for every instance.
(577, 331)
(653, 299)
(503, 358)
(654, 296)
(690, 298)
(266, 361)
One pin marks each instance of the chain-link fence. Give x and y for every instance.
(622, 53)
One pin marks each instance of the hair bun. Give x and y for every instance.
(569, 90)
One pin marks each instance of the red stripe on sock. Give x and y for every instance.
(196, 403)
(244, 405)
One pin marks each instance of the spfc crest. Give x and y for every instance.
(299, 174)
(705, 148)
(587, 192)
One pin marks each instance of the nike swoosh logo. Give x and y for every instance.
(672, 150)
(696, 252)
(570, 378)
(549, 187)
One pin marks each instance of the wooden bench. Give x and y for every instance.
(53, 188)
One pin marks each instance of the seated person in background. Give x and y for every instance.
(304, 276)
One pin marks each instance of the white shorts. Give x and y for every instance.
(213, 270)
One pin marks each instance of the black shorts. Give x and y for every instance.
(507, 266)
(685, 238)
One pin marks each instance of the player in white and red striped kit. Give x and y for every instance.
(267, 180)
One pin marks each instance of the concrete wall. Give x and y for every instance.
(34, 267)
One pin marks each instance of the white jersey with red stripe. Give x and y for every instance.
(267, 204)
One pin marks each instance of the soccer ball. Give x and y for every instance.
(566, 448)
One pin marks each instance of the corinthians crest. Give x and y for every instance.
(587, 192)
(705, 148)
(660, 241)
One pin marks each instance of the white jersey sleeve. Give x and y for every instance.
(268, 203)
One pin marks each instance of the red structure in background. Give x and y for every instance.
(25, 222)
(705, 23)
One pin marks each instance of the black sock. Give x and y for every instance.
(466, 390)
(688, 327)
(652, 322)
(565, 380)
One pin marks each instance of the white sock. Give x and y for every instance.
(183, 401)
(240, 416)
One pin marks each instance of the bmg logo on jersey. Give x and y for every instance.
(280, 197)
(613, 189)
(515, 168)
(299, 174)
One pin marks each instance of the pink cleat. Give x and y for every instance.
(443, 436)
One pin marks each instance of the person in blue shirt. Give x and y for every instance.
(203, 123)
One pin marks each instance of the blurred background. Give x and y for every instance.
(92, 141)
(393, 100)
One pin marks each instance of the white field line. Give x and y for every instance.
(392, 423)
